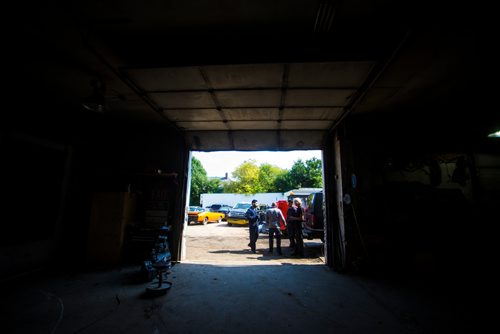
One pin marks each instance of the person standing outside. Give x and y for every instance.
(252, 215)
(273, 217)
(289, 227)
(295, 218)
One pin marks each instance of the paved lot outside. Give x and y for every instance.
(220, 243)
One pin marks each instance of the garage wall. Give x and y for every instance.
(145, 161)
(52, 171)
(33, 181)
(488, 178)
(420, 204)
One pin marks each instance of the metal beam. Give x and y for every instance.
(260, 107)
(247, 89)
(210, 90)
(378, 69)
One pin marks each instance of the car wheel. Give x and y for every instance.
(205, 221)
(219, 220)
(229, 224)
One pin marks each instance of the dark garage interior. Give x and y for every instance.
(106, 99)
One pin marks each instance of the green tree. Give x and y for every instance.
(245, 177)
(267, 178)
(250, 178)
(304, 174)
(199, 181)
(213, 185)
(283, 182)
(314, 176)
(297, 174)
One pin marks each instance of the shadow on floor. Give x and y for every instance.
(212, 298)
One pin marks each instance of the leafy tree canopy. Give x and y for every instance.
(306, 174)
(198, 181)
(249, 178)
(245, 177)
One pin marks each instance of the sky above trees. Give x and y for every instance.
(218, 163)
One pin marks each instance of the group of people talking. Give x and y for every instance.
(274, 216)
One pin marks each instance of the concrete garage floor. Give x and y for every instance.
(244, 295)
(219, 243)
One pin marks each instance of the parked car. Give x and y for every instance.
(237, 214)
(205, 216)
(195, 209)
(216, 207)
(313, 227)
(193, 212)
(222, 208)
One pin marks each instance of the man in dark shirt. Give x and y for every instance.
(252, 216)
(290, 227)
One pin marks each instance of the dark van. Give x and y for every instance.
(313, 227)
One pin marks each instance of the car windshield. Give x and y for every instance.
(242, 206)
(195, 208)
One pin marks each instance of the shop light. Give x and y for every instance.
(494, 135)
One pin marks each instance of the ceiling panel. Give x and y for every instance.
(306, 125)
(249, 98)
(202, 126)
(318, 97)
(252, 114)
(179, 100)
(377, 96)
(311, 113)
(245, 76)
(164, 79)
(255, 140)
(329, 75)
(302, 140)
(192, 115)
(209, 140)
(245, 52)
(254, 125)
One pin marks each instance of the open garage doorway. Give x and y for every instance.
(221, 187)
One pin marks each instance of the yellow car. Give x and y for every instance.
(199, 215)
(193, 212)
(237, 214)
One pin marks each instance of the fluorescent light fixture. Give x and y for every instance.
(494, 135)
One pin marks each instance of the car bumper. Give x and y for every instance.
(192, 218)
(237, 221)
